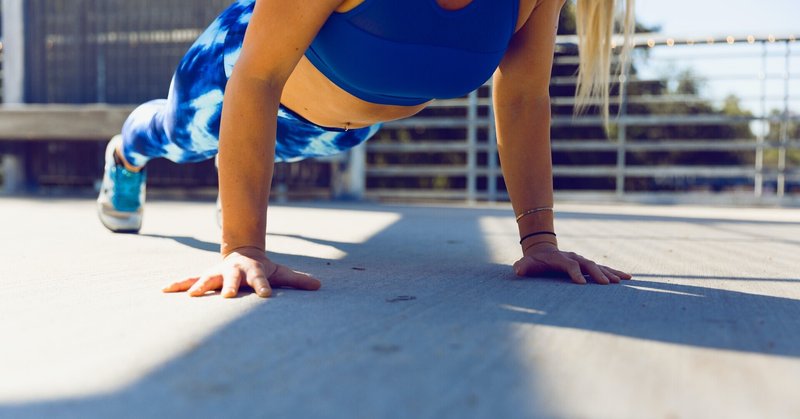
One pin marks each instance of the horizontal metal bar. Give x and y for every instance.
(655, 39)
(420, 193)
(648, 171)
(430, 194)
(575, 171)
(594, 145)
(422, 146)
(657, 171)
(671, 145)
(698, 171)
(572, 80)
(706, 56)
(706, 145)
(587, 194)
(581, 145)
(720, 56)
(422, 170)
(634, 120)
(650, 99)
(630, 120)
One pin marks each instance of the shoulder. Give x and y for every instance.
(527, 8)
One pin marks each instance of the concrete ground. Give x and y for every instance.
(420, 316)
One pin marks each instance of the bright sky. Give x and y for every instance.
(721, 17)
(728, 69)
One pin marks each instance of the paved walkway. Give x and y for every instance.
(420, 316)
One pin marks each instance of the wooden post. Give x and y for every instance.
(472, 147)
(11, 165)
(13, 51)
(357, 172)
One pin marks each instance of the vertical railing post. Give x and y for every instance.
(101, 36)
(781, 189)
(13, 51)
(491, 152)
(758, 187)
(472, 145)
(356, 172)
(622, 134)
(12, 165)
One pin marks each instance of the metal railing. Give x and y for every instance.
(483, 181)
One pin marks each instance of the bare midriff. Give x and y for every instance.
(317, 99)
(312, 95)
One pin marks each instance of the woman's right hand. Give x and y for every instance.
(245, 266)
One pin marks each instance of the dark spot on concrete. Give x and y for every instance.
(358, 268)
(210, 389)
(385, 348)
(454, 241)
(401, 298)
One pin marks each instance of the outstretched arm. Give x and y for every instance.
(522, 109)
(277, 36)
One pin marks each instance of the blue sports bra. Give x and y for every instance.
(407, 52)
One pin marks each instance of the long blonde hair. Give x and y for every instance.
(595, 22)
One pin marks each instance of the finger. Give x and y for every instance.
(285, 277)
(527, 266)
(620, 274)
(532, 266)
(180, 286)
(594, 271)
(205, 284)
(230, 282)
(610, 275)
(256, 278)
(591, 268)
(570, 266)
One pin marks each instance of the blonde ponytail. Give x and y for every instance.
(595, 21)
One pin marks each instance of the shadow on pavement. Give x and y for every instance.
(356, 349)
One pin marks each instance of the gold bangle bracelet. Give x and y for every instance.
(526, 248)
(532, 211)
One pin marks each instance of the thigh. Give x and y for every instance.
(194, 104)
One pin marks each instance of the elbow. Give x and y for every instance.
(252, 84)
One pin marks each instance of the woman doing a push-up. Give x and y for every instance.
(285, 80)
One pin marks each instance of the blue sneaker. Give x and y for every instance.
(121, 201)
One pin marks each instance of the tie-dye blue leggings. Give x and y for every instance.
(185, 126)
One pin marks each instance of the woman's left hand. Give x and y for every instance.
(547, 258)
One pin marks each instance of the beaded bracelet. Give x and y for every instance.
(527, 236)
(531, 211)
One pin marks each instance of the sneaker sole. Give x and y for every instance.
(130, 224)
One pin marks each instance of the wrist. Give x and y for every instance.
(533, 246)
(226, 251)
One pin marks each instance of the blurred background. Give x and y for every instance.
(708, 114)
